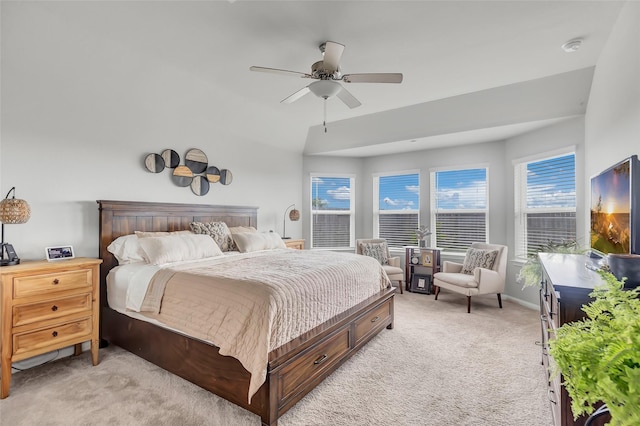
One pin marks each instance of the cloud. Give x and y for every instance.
(342, 193)
(413, 188)
(401, 204)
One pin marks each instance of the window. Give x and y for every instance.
(459, 208)
(332, 211)
(396, 213)
(545, 202)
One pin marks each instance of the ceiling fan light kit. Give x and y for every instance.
(327, 72)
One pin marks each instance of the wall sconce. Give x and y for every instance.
(294, 216)
(12, 211)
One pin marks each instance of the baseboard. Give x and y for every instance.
(533, 306)
(41, 359)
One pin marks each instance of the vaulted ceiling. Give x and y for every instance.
(473, 70)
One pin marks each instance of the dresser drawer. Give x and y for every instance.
(311, 364)
(372, 320)
(35, 312)
(41, 285)
(53, 337)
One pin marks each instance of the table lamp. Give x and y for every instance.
(12, 211)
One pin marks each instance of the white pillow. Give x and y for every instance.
(126, 249)
(178, 247)
(254, 241)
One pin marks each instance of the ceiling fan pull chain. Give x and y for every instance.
(324, 123)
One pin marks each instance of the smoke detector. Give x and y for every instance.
(572, 45)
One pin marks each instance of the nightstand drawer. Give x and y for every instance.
(42, 284)
(35, 312)
(56, 336)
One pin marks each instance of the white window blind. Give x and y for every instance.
(545, 203)
(458, 208)
(332, 211)
(396, 213)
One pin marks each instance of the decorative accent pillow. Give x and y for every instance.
(239, 230)
(126, 249)
(178, 247)
(254, 241)
(478, 258)
(376, 250)
(219, 231)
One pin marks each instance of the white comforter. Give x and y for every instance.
(251, 304)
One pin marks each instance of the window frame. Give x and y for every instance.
(433, 211)
(376, 201)
(520, 197)
(351, 211)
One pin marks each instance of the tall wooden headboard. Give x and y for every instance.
(119, 218)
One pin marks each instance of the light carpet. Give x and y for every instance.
(438, 366)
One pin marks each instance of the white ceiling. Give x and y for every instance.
(444, 49)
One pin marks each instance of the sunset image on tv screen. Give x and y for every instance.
(611, 210)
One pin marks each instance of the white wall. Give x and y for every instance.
(612, 128)
(83, 103)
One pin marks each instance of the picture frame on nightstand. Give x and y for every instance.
(421, 283)
(426, 258)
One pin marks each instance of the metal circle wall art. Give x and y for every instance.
(195, 172)
(196, 160)
(154, 163)
(171, 158)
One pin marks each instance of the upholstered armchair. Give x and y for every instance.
(377, 248)
(483, 272)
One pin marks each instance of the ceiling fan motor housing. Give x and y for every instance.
(318, 71)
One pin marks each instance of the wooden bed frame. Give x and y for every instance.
(294, 369)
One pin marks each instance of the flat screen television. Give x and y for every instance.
(615, 209)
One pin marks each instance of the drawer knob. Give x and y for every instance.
(374, 319)
(56, 281)
(54, 334)
(54, 308)
(320, 360)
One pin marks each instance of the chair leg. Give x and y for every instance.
(500, 300)
(468, 304)
(437, 290)
(400, 286)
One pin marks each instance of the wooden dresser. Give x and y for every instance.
(565, 287)
(294, 244)
(46, 306)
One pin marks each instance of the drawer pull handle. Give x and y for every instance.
(56, 281)
(54, 308)
(320, 360)
(550, 394)
(54, 334)
(537, 343)
(375, 319)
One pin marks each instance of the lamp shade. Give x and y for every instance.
(294, 215)
(14, 210)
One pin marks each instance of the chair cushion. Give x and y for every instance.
(393, 270)
(478, 258)
(460, 280)
(376, 250)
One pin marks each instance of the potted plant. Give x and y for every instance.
(599, 357)
(531, 271)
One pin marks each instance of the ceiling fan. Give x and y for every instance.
(327, 72)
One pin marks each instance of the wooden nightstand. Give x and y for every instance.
(46, 306)
(294, 244)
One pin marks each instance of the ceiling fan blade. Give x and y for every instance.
(373, 78)
(348, 98)
(332, 54)
(297, 95)
(277, 71)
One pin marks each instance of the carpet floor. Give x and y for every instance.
(438, 366)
